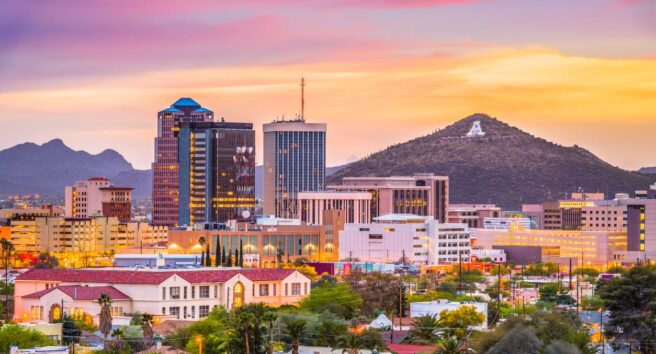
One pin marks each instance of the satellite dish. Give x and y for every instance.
(245, 214)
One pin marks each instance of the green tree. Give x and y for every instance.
(338, 299)
(550, 293)
(560, 347)
(329, 330)
(295, 329)
(631, 300)
(379, 291)
(587, 271)
(215, 330)
(424, 330)
(105, 318)
(71, 332)
(456, 322)
(541, 269)
(616, 270)
(519, 340)
(352, 343)
(23, 337)
(45, 260)
(452, 345)
(592, 303)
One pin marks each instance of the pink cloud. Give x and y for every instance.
(395, 4)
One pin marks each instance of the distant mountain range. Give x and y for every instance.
(46, 169)
(506, 166)
(648, 170)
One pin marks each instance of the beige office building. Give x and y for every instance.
(589, 248)
(82, 235)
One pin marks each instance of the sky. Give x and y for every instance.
(378, 72)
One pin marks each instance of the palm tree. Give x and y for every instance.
(295, 328)
(118, 335)
(146, 325)
(452, 345)
(105, 314)
(246, 322)
(424, 330)
(270, 316)
(350, 343)
(7, 247)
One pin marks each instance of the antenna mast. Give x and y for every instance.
(302, 99)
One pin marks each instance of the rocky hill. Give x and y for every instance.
(47, 168)
(506, 166)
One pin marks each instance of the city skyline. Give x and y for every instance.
(572, 73)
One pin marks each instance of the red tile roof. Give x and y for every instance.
(411, 348)
(112, 276)
(80, 292)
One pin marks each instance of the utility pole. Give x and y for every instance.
(499, 291)
(570, 274)
(459, 272)
(601, 331)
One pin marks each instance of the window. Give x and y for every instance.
(216, 293)
(204, 291)
(193, 312)
(203, 311)
(264, 289)
(274, 289)
(163, 311)
(175, 311)
(375, 236)
(185, 293)
(296, 289)
(286, 289)
(184, 312)
(305, 288)
(175, 293)
(164, 293)
(37, 312)
(193, 292)
(117, 311)
(390, 229)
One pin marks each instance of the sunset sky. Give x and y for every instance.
(95, 73)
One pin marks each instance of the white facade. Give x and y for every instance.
(495, 255)
(179, 294)
(420, 239)
(434, 308)
(506, 223)
(355, 205)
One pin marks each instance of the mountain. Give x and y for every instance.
(506, 166)
(46, 169)
(648, 170)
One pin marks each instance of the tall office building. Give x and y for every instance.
(216, 172)
(294, 161)
(165, 167)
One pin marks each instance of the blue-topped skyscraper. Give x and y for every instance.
(294, 161)
(165, 168)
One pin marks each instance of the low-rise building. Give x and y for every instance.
(473, 214)
(43, 295)
(587, 248)
(416, 239)
(491, 255)
(356, 206)
(506, 223)
(82, 235)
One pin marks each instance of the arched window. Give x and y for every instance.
(238, 295)
(55, 313)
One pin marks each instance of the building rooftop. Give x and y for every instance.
(150, 276)
(202, 110)
(185, 102)
(81, 292)
(171, 110)
(401, 217)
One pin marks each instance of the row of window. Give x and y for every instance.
(203, 292)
